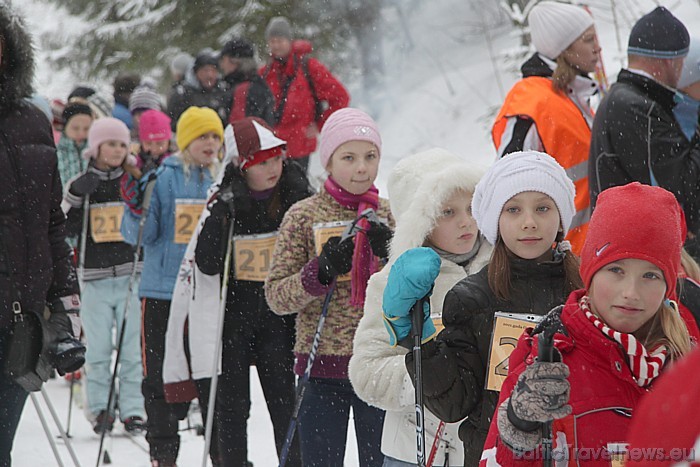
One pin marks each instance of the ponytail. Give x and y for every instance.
(668, 328)
(564, 74)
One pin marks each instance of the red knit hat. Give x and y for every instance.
(251, 141)
(634, 221)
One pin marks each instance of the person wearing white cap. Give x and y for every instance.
(549, 110)
(688, 105)
(523, 205)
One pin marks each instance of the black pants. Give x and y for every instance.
(266, 341)
(12, 399)
(162, 435)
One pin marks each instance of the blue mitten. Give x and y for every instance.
(411, 278)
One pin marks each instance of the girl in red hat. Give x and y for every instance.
(620, 333)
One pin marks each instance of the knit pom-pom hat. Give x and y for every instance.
(516, 173)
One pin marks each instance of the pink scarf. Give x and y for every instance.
(644, 367)
(364, 263)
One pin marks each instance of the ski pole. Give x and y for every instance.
(349, 232)
(81, 270)
(47, 431)
(217, 349)
(417, 332)
(56, 420)
(436, 444)
(303, 382)
(545, 353)
(132, 278)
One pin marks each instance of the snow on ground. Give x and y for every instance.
(444, 92)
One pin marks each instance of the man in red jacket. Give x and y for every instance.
(306, 93)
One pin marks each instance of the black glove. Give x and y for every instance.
(223, 206)
(62, 334)
(541, 395)
(379, 235)
(85, 185)
(335, 259)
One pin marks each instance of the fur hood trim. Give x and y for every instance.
(418, 186)
(17, 67)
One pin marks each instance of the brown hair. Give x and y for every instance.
(499, 274)
(564, 74)
(690, 266)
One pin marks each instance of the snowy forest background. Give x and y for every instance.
(443, 66)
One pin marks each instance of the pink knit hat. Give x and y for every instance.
(154, 125)
(102, 130)
(347, 125)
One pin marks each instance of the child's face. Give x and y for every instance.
(77, 127)
(205, 149)
(529, 223)
(456, 230)
(156, 148)
(354, 166)
(627, 293)
(111, 153)
(264, 175)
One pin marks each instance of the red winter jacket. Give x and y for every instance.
(300, 108)
(604, 394)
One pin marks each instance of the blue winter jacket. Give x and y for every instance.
(121, 112)
(162, 256)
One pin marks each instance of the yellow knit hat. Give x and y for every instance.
(196, 121)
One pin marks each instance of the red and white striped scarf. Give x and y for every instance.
(645, 367)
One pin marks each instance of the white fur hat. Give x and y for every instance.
(516, 173)
(418, 186)
(555, 26)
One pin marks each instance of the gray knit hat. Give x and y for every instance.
(144, 98)
(278, 27)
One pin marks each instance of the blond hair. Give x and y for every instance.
(188, 162)
(690, 266)
(667, 328)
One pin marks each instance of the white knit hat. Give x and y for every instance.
(555, 26)
(516, 173)
(691, 65)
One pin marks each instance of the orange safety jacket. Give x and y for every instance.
(564, 133)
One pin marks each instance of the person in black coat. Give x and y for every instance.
(635, 136)
(249, 94)
(263, 187)
(36, 270)
(200, 88)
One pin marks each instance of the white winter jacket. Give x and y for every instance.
(418, 186)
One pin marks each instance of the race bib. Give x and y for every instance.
(105, 222)
(187, 212)
(618, 453)
(322, 232)
(252, 255)
(507, 328)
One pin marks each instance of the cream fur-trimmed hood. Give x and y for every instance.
(418, 186)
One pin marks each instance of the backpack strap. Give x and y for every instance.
(318, 105)
(240, 102)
